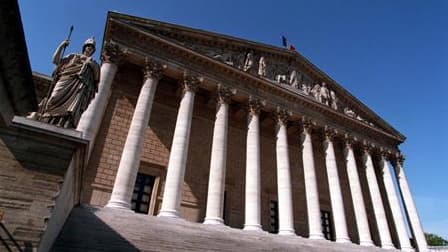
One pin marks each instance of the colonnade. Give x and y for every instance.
(129, 165)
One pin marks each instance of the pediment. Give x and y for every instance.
(277, 65)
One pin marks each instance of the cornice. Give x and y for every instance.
(142, 44)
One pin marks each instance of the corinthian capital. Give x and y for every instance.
(191, 82)
(308, 125)
(153, 69)
(224, 94)
(112, 53)
(282, 115)
(255, 105)
(330, 133)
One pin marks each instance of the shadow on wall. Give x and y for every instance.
(84, 231)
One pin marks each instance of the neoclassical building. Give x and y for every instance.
(219, 130)
(215, 129)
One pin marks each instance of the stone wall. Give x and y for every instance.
(34, 158)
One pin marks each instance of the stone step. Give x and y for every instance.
(106, 229)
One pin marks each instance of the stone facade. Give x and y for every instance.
(327, 152)
(234, 133)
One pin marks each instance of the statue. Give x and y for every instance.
(262, 67)
(349, 112)
(324, 94)
(248, 62)
(75, 82)
(315, 91)
(334, 100)
(294, 79)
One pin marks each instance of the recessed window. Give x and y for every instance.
(142, 193)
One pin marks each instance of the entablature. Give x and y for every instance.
(141, 44)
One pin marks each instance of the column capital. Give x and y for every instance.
(282, 115)
(400, 158)
(308, 125)
(330, 133)
(367, 147)
(153, 69)
(349, 141)
(112, 53)
(191, 82)
(224, 94)
(255, 105)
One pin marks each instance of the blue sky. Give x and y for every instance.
(392, 55)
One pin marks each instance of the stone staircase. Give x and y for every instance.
(105, 229)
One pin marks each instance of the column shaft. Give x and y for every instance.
(285, 207)
(312, 194)
(217, 179)
(252, 220)
(377, 203)
(394, 203)
(359, 208)
(410, 208)
(91, 119)
(337, 204)
(178, 158)
(130, 158)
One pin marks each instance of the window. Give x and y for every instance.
(273, 206)
(326, 225)
(142, 193)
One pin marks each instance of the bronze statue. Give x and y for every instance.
(74, 85)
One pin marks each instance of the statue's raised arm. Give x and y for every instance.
(57, 53)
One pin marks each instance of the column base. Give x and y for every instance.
(119, 204)
(252, 227)
(286, 232)
(213, 221)
(316, 236)
(388, 246)
(366, 243)
(343, 240)
(169, 213)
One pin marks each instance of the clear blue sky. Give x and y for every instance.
(392, 55)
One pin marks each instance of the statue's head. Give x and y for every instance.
(90, 42)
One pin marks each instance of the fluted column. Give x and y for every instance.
(217, 179)
(91, 119)
(252, 220)
(337, 204)
(409, 206)
(285, 207)
(359, 208)
(179, 150)
(130, 157)
(311, 190)
(394, 203)
(377, 202)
